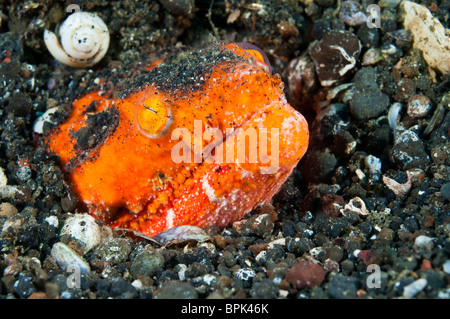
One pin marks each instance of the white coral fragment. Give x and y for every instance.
(356, 205)
(396, 187)
(429, 35)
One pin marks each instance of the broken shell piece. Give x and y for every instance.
(396, 187)
(394, 114)
(47, 117)
(182, 234)
(84, 40)
(356, 205)
(337, 90)
(438, 114)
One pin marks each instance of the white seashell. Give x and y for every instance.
(84, 40)
(394, 114)
(84, 228)
(67, 258)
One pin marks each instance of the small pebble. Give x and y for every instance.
(23, 173)
(423, 245)
(38, 295)
(299, 246)
(258, 225)
(446, 267)
(52, 221)
(418, 106)
(373, 164)
(20, 104)
(409, 152)
(320, 28)
(331, 265)
(122, 289)
(24, 286)
(318, 165)
(265, 289)
(394, 115)
(368, 101)
(414, 288)
(116, 250)
(351, 13)
(370, 37)
(69, 203)
(342, 287)
(445, 190)
(386, 234)
(146, 264)
(178, 7)
(176, 290)
(335, 253)
(347, 265)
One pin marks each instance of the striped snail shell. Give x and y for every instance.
(84, 40)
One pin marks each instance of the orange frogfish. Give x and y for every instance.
(200, 138)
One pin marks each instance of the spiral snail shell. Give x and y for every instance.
(84, 40)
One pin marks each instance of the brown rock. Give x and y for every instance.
(305, 275)
(7, 209)
(332, 204)
(257, 248)
(426, 265)
(429, 221)
(38, 295)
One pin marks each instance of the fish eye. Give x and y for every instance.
(153, 117)
(258, 54)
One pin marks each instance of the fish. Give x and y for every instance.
(199, 138)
